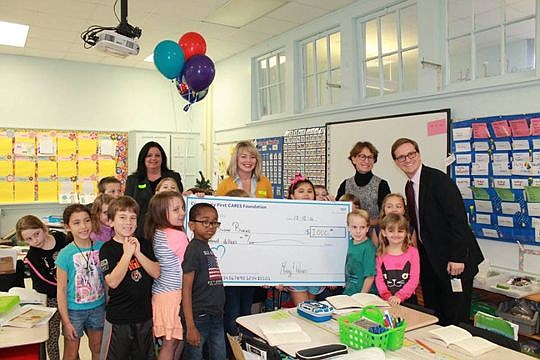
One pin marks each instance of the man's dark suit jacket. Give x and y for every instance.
(444, 229)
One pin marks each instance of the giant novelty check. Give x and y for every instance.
(274, 241)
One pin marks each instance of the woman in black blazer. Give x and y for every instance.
(151, 168)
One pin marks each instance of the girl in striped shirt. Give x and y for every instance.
(166, 213)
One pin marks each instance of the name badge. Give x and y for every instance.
(456, 285)
(142, 186)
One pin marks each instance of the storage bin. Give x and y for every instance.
(526, 326)
(359, 338)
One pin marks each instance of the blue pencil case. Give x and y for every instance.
(315, 311)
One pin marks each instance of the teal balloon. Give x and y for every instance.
(169, 58)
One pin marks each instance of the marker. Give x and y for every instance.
(422, 344)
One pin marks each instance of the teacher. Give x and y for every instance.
(151, 168)
(245, 172)
(368, 188)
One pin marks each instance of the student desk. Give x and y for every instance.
(326, 332)
(22, 343)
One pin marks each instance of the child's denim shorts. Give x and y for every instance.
(91, 319)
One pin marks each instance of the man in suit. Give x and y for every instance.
(449, 252)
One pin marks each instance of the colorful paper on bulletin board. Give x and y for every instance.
(47, 190)
(6, 144)
(107, 147)
(6, 191)
(66, 192)
(6, 169)
(501, 128)
(46, 169)
(87, 143)
(87, 191)
(106, 168)
(480, 193)
(66, 144)
(25, 168)
(480, 131)
(532, 193)
(25, 143)
(505, 194)
(535, 126)
(67, 168)
(87, 168)
(24, 191)
(519, 127)
(46, 143)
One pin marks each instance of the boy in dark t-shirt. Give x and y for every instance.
(203, 295)
(129, 269)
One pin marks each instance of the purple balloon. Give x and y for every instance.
(199, 72)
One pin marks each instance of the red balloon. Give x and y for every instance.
(193, 44)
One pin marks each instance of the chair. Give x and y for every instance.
(498, 339)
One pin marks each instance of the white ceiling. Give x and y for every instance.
(56, 25)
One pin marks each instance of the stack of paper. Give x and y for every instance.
(278, 332)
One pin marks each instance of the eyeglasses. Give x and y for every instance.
(365, 157)
(208, 223)
(411, 156)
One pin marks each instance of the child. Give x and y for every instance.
(203, 295)
(302, 189)
(167, 184)
(44, 249)
(398, 263)
(321, 194)
(111, 186)
(100, 221)
(360, 264)
(128, 267)
(166, 213)
(80, 291)
(352, 199)
(393, 204)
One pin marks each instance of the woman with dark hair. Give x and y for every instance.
(151, 168)
(367, 188)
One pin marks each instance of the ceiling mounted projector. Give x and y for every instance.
(119, 41)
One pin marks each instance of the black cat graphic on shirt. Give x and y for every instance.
(396, 279)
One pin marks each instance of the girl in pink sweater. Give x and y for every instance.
(398, 263)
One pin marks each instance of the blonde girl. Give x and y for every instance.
(167, 184)
(101, 230)
(398, 263)
(393, 204)
(164, 224)
(80, 292)
(44, 248)
(302, 189)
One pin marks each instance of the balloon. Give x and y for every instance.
(193, 44)
(189, 95)
(199, 72)
(169, 58)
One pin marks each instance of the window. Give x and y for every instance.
(271, 83)
(321, 70)
(482, 32)
(390, 52)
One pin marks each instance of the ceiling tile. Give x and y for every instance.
(297, 13)
(270, 26)
(325, 4)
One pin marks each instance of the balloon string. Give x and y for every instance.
(186, 108)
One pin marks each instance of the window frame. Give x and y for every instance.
(361, 26)
(281, 82)
(474, 33)
(330, 85)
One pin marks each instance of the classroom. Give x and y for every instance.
(340, 61)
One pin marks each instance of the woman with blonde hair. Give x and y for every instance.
(245, 172)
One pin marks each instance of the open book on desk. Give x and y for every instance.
(358, 300)
(283, 332)
(461, 340)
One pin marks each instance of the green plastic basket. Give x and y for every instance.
(360, 338)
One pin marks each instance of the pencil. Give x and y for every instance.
(422, 344)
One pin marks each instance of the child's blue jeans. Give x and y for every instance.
(211, 329)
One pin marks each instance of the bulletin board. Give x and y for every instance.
(271, 151)
(497, 169)
(58, 165)
(428, 129)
